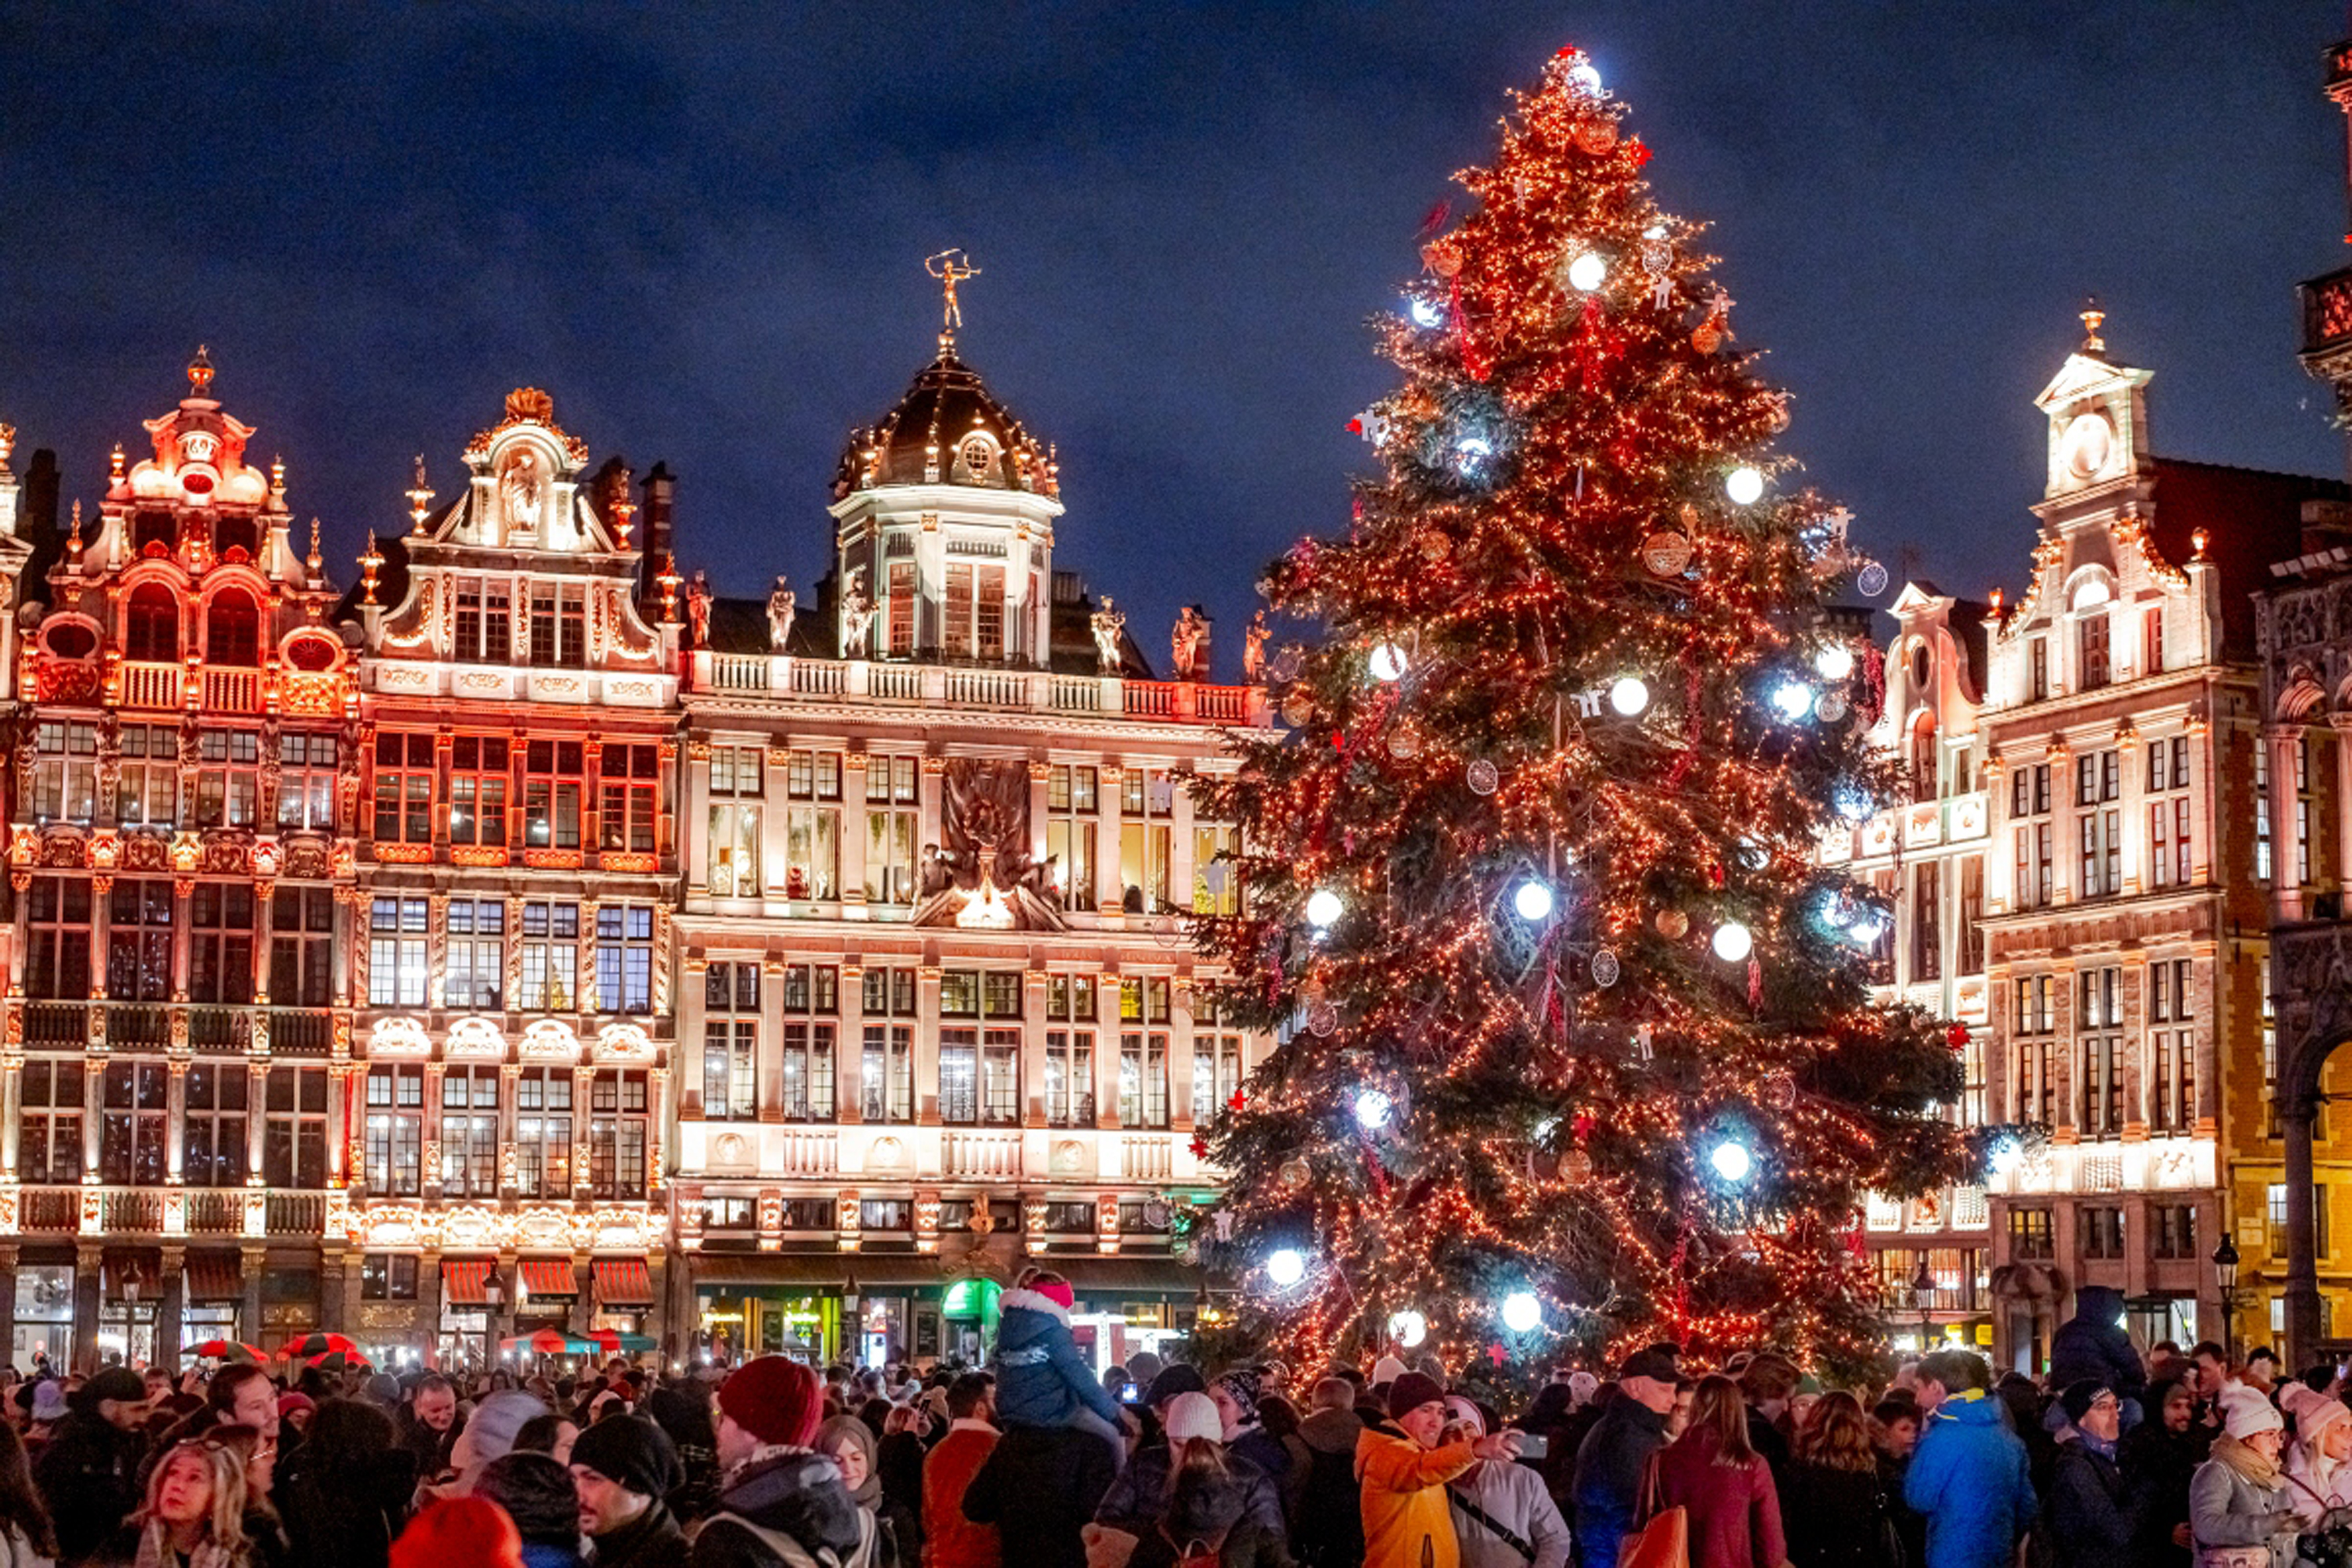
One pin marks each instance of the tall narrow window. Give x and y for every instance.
(892, 822)
(65, 771)
(139, 941)
(1070, 1050)
(618, 1134)
(131, 1145)
(625, 958)
(2152, 643)
(50, 1147)
(551, 958)
(214, 1152)
(630, 782)
(731, 1042)
(543, 1132)
(477, 790)
(2037, 679)
(1927, 921)
(395, 1130)
(2098, 1015)
(151, 626)
(57, 959)
(1143, 1052)
(886, 1071)
(553, 775)
(396, 953)
(988, 614)
(294, 1129)
(220, 949)
(469, 1131)
(1071, 804)
(813, 825)
(1147, 801)
(2261, 810)
(1925, 756)
(1216, 1069)
(902, 612)
(735, 792)
(812, 1025)
(147, 789)
(474, 976)
(301, 946)
(403, 787)
(958, 640)
(306, 782)
(228, 781)
(1972, 945)
(2092, 643)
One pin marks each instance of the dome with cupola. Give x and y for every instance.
(947, 429)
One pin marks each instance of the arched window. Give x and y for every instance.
(150, 625)
(233, 630)
(1923, 757)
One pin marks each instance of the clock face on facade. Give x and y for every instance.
(2088, 440)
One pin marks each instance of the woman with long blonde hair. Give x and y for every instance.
(195, 1511)
(1713, 1472)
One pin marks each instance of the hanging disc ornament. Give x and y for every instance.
(1482, 776)
(1293, 1172)
(1830, 707)
(1286, 664)
(1871, 580)
(1434, 545)
(1707, 337)
(1297, 709)
(1404, 742)
(1321, 1018)
(1605, 969)
(1665, 553)
(1672, 925)
(1595, 137)
(1577, 1166)
(1781, 1091)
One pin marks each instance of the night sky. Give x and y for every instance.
(702, 229)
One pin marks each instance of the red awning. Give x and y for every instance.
(548, 1277)
(625, 1282)
(462, 1280)
(214, 1276)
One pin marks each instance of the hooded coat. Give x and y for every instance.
(1041, 1378)
(1407, 1522)
(792, 1493)
(1969, 1479)
(1325, 1505)
(1607, 1484)
(2091, 1347)
(1136, 1497)
(1039, 1487)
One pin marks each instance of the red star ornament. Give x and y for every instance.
(1496, 1354)
(1200, 1147)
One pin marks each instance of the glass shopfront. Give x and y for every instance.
(45, 1315)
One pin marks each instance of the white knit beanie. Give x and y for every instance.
(2245, 1412)
(1191, 1416)
(1386, 1370)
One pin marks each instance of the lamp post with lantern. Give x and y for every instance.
(1922, 1296)
(2225, 1267)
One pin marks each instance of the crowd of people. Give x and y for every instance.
(2158, 1459)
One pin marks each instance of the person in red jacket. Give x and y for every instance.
(949, 1540)
(1713, 1472)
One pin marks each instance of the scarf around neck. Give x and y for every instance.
(2245, 1464)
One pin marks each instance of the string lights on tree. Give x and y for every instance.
(1530, 888)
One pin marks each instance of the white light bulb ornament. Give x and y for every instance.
(1533, 900)
(1286, 1266)
(1323, 909)
(1732, 1162)
(1522, 1313)
(1388, 663)
(1588, 272)
(1744, 485)
(1407, 1328)
(1629, 695)
(1373, 1109)
(1833, 662)
(1733, 942)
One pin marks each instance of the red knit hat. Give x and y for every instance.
(774, 1398)
(459, 1532)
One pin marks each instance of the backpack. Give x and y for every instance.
(1330, 1529)
(1195, 1552)
(795, 1555)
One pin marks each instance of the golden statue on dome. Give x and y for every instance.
(951, 268)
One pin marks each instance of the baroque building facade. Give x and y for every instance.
(177, 1067)
(937, 1009)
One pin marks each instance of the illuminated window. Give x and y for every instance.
(551, 958)
(1147, 805)
(147, 789)
(477, 789)
(403, 787)
(469, 1131)
(65, 771)
(625, 958)
(735, 795)
(553, 775)
(1071, 804)
(731, 1042)
(476, 973)
(228, 782)
(395, 1130)
(892, 822)
(811, 1000)
(629, 794)
(543, 1132)
(306, 782)
(396, 953)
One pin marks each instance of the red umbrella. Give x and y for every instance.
(230, 1349)
(547, 1341)
(604, 1340)
(318, 1344)
(336, 1361)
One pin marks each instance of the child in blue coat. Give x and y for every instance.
(1041, 1378)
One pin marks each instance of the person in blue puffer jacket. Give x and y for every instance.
(1967, 1477)
(1041, 1378)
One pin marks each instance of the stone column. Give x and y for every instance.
(2285, 741)
(1110, 805)
(172, 1310)
(253, 1260)
(2342, 725)
(8, 1261)
(2302, 1266)
(86, 1260)
(850, 1061)
(927, 1046)
(850, 860)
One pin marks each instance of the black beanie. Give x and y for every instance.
(631, 1452)
(537, 1494)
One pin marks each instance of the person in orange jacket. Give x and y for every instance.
(1407, 1521)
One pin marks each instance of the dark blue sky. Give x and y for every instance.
(701, 228)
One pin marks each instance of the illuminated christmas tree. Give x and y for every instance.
(1579, 1046)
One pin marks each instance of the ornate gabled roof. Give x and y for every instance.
(949, 429)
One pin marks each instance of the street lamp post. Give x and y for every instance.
(2225, 1265)
(1923, 1294)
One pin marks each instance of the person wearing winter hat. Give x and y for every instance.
(1204, 1503)
(2238, 1498)
(2316, 1473)
(465, 1530)
(1403, 1465)
(89, 1469)
(1500, 1507)
(488, 1434)
(622, 1471)
(1170, 1381)
(1042, 1380)
(294, 1413)
(1581, 1387)
(1385, 1371)
(2094, 1514)
(1605, 1480)
(1137, 1498)
(1235, 1394)
(537, 1494)
(778, 1498)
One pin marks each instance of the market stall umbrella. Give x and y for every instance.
(318, 1344)
(337, 1361)
(228, 1349)
(547, 1341)
(605, 1340)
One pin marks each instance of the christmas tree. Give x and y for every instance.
(1577, 1048)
